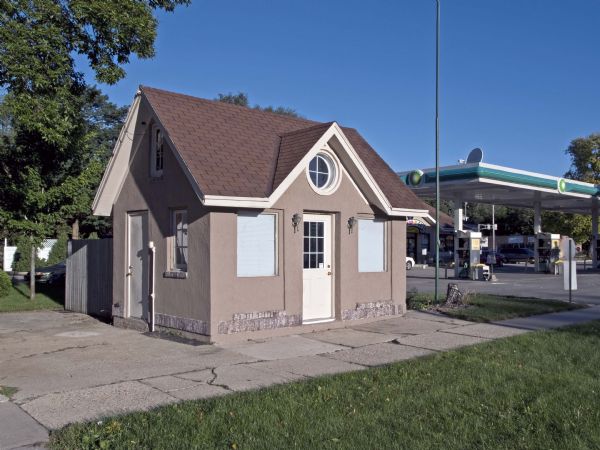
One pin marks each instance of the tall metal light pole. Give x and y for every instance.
(437, 149)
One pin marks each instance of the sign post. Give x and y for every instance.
(570, 267)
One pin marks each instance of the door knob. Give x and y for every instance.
(328, 273)
(130, 272)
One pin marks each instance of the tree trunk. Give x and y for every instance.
(32, 273)
(75, 229)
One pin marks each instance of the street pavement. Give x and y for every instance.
(516, 280)
(69, 367)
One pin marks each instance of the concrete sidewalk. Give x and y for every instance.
(70, 368)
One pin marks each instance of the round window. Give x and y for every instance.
(320, 171)
(323, 173)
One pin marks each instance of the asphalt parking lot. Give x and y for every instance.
(516, 280)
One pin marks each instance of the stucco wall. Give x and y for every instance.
(231, 294)
(212, 295)
(185, 298)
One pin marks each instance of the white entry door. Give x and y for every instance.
(317, 273)
(137, 264)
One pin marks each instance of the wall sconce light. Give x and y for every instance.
(351, 224)
(296, 219)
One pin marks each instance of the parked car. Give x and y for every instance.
(409, 263)
(515, 255)
(51, 275)
(500, 258)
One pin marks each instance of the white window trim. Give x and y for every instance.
(154, 172)
(173, 241)
(385, 244)
(276, 245)
(335, 172)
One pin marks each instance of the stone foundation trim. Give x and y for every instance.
(255, 321)
(371, 310)
(181, 323)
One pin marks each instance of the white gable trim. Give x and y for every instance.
(123, 156)
(324, 142)
(118, 164)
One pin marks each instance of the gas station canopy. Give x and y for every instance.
(478, 182)
(487, 183)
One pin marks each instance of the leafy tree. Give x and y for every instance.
(22, 259)
(46, 138)
(58, 253)
(585, 159)
(585, 166)
(241, 99)
(446, 206)
(576, 226)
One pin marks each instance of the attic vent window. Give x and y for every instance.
(157, 153)
(323, 173)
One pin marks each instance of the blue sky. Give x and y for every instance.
(519, 78)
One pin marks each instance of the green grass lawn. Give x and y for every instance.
(535, 391)
(47, 297)
(488, 308)
(8, 391)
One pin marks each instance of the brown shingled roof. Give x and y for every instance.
(241, 152)
(293, 147)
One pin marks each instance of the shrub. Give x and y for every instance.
(23, 256)
(58, 253)
(5, 284)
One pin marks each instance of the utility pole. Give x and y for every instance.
(493, 277)
(437, 149)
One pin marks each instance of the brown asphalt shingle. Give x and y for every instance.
(293, 147)
(241, 152)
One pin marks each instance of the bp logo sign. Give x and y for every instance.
(415, 177)
(562, 185)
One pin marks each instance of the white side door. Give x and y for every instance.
(137, 264)
(317, 298)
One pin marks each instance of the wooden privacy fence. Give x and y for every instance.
(88, 287)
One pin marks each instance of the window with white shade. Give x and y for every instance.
(179, 240)
(256, 245)
(371, 245)
(157, 153)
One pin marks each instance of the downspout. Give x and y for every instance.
(152, 271)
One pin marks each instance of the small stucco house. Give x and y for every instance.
(230, 222)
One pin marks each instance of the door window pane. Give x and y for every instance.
(314, 251)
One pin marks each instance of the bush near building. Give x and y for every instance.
(59, 250)
(23, 256)
(5, 284)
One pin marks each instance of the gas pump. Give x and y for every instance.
(547, 252)
(467, 251)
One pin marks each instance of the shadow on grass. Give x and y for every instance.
(55, 292)
(21, 288)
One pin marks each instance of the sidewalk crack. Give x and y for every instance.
(211, 382)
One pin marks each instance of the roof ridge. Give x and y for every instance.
(226, 105)
(304, 130)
